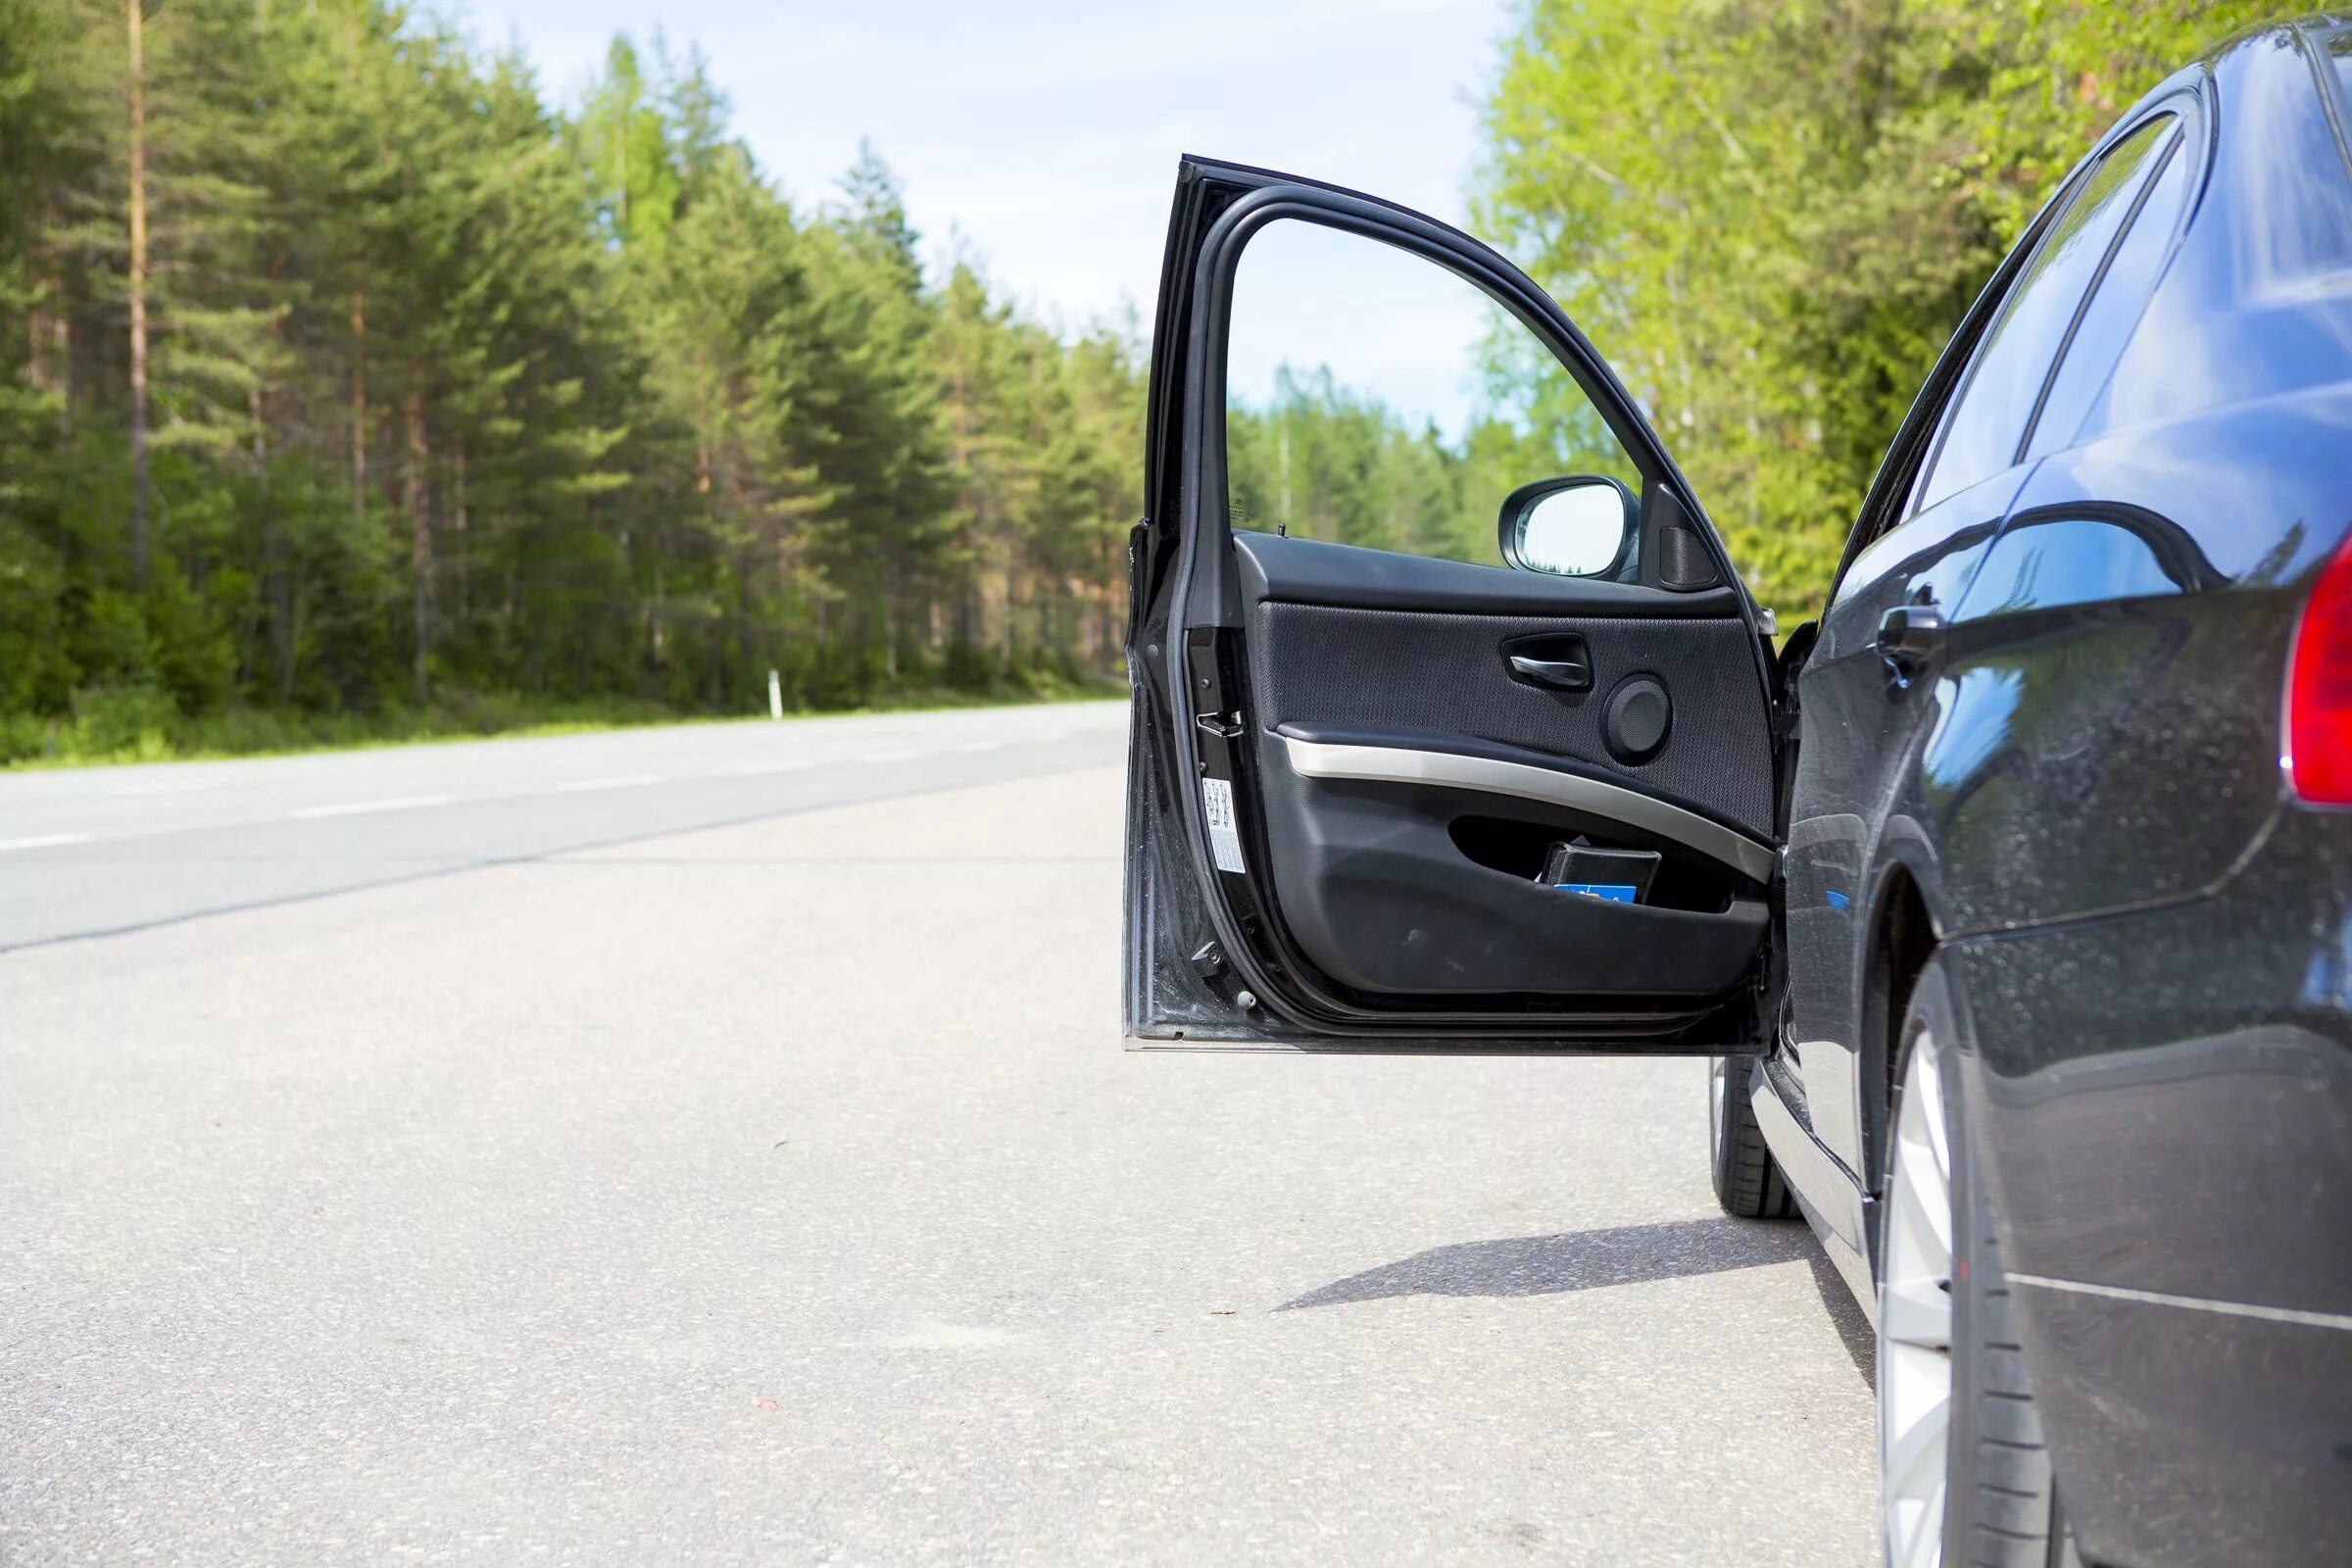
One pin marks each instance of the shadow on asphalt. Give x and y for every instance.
(1622, 1254)
(1580, 1260)
(1861, 1340)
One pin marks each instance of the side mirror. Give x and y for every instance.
(1579, 526)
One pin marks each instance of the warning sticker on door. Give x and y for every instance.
(1224, 838)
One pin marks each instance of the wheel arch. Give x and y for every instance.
(1903, 937)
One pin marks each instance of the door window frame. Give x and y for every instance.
(1638, 447)
(1204, 528)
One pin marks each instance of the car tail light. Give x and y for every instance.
(2318, 690)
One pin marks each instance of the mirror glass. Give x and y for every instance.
(1575, 531)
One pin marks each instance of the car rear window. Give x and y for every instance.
(1982, 434)
(2115, 303)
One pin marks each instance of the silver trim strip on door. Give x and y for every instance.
(1397, 765)
(2193, 1303)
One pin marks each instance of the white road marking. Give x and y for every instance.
(979, 746)
(749, 769)
(898, 756)
(44, 841)
(403, 802)
(171, 787)
(625, 781)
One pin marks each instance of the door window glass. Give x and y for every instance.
(2115, 303)
(1374, 398)
(1981, 434)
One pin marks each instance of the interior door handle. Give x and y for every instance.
(1564, 674)
(1910, 635)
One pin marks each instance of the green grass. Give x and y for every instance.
(140, 725)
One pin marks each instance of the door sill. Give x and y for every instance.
(1832, 1200)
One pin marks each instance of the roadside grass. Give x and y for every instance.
(141, 725)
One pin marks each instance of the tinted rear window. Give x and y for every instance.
(1982, 435)
(2115, 303)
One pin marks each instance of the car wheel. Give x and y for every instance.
(1747, 1184)
(1964, 1476)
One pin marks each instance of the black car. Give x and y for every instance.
(2012, 898)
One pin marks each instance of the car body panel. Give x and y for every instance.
(1859, 735)
(2148, 935)
(2104, 651)
(2169, 1154)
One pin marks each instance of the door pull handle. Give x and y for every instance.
(1561, 674)
(1911, 635)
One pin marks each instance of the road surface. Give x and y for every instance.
(712, 1145)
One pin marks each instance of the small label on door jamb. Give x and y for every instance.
(1224, 837)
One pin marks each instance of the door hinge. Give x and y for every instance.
(1224, 726)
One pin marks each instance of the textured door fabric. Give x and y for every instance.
(1394, 887)
(1323, 667)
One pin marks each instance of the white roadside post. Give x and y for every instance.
(775, 697)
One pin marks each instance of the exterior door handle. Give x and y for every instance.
(1911, 635)
(1564, 675)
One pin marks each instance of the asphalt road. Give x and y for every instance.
(713, 1145)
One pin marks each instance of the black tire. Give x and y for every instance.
(1747, 1183)
(2001, 1508)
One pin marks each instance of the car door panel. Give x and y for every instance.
(1415, 784)
(1444, 671)
(1351, 764)
(1383, 895)
(1860, 726)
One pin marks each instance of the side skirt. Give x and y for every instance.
(1833, 1202)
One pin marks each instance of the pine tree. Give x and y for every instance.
(447, 392)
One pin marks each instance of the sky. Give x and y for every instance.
(1043, 136)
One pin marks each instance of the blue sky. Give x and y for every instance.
(1045, 134)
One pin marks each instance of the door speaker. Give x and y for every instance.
(1637, 718)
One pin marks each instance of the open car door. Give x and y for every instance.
(1387, 799)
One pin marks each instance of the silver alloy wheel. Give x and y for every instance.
(1915, 1319)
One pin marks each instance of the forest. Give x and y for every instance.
(351, 387)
